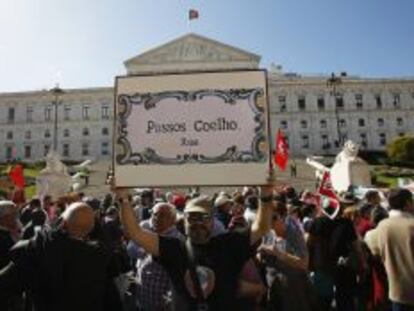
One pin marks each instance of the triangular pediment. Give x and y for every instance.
(192, 52)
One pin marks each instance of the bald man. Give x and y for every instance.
(60, 269)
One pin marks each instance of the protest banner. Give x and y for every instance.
(191, 129)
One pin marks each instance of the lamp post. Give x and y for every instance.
(57, 92)
(333, 82)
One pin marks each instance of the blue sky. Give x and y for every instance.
(83, 43)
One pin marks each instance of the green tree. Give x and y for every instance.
(401, 150)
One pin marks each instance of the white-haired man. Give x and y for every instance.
(153, 282)
(61, 269)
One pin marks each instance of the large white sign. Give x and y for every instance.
(192, 129)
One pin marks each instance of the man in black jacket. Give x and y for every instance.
(60, 269)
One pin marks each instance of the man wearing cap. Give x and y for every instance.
(393, 242)
(217, 260)
(332, 238)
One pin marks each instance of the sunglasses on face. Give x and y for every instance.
(198, 217)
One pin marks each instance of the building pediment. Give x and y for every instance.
(192, 53)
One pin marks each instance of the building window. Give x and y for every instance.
(301, 103)
(396, 100)
(46, 149)
(283, 124)
(66, 133)
(29, 114)
(304, 124)
(323, 124)
(47, 134)
(364, 141)
(66, 112)
(400, 121)
(48, 113)
(401, 134)
(380, 122)
(105, 131)
(378, 101)
(28, 135)
(282, 103)
(361, 122)
(85, 131)
(9, 135)
(105, 148)
(339, 102)
(325, 142)
(358, 101)
(342, 123)
(382, 139)
(66, 150)
(85, 112)
(105, 112)
(321, 103)
(10, 115)
(27, 152)
(9, 152)
(85, 149)
(305, 141)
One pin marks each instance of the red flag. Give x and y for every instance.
(327, 193)
(282, 151)
(192, 14)
(16, 176)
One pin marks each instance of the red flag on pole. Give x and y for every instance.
(16, 176)
(282, 151)
(192, 14)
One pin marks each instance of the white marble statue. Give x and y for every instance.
(54, 179)
(347, 170)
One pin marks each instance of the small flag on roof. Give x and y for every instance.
(192, 14)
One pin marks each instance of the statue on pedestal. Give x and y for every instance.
(54, 179)
(348, 169)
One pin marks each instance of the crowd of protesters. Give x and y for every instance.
(253, 249)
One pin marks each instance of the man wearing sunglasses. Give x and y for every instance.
(217, 260)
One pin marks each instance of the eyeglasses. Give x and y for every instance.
(198, 217)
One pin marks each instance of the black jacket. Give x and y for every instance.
(59, 273)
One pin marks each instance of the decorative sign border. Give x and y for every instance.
(256, 154)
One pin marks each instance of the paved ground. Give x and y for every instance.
(305, 178)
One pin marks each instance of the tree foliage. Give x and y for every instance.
(401, 150)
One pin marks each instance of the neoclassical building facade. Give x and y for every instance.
(316, 113)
